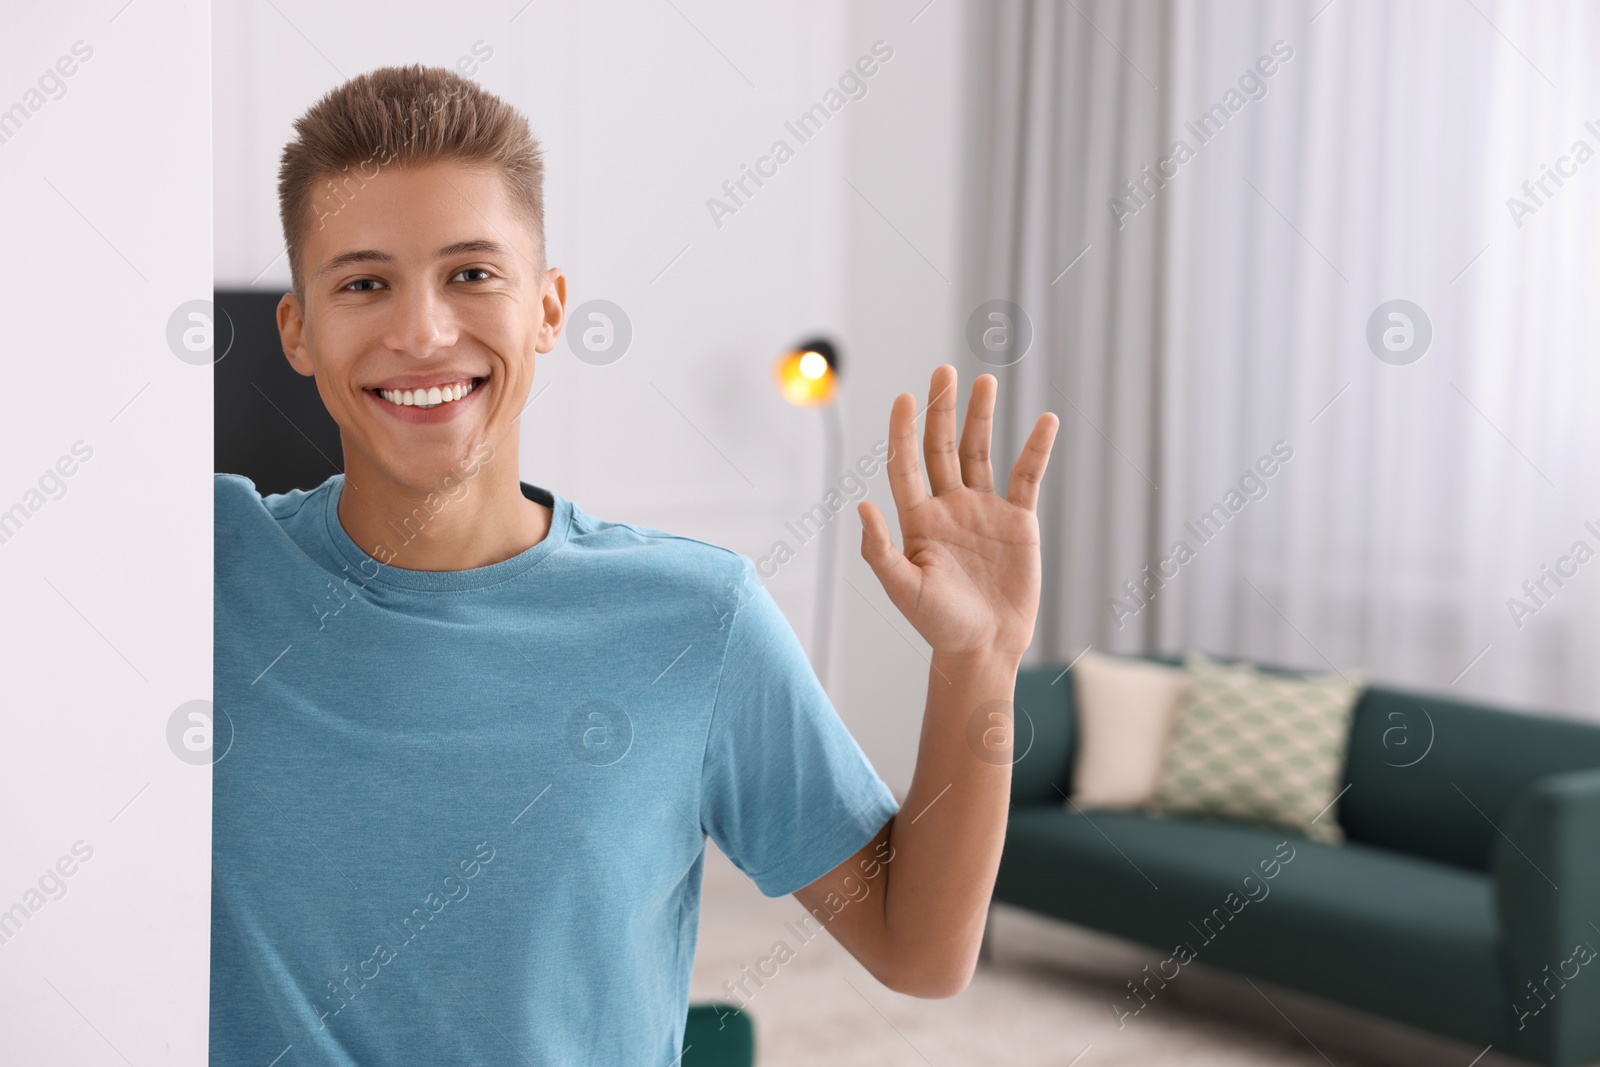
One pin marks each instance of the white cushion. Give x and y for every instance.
(1126, 710)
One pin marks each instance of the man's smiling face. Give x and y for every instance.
(425, 278)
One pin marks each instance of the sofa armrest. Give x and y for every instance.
(1546, 869)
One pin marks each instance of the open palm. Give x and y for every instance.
(968, 577)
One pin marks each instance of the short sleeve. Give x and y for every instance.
(787, 793)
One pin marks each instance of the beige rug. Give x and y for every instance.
(1043, 1002)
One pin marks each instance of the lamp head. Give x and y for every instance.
(808, 375)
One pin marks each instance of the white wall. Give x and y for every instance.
(105, 587)
(644, 113)
(903, 319)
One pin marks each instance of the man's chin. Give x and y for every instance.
(435, 467)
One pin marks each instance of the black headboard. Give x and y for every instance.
(271, 426)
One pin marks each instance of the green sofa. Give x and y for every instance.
(1464, 900)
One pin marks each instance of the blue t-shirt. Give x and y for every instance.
(460, 816)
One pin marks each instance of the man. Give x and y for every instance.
(480, 736)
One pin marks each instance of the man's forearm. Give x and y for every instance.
(948, 835)
(968, 578)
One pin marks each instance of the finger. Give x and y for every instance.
(898, 575)
(1029, 470)
(905, 472)
(939, 434)
(977, 434)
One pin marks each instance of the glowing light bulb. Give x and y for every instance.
(807, 374)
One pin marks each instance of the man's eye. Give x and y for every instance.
(473, 270)
(363, 281)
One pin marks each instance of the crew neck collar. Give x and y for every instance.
(372, 570)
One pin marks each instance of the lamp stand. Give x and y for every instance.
(827, 563)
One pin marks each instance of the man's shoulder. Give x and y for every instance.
(233, 487)
(235, 503)
(663, 559)
(236, 496)
(659, 549)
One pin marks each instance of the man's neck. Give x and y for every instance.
(477, 521)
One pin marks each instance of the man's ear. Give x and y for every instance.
(553, 298)
(292, 329)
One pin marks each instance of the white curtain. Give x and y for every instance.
(1351, 154)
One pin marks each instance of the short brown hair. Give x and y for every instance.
(405, 117)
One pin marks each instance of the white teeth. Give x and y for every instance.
(427, 398)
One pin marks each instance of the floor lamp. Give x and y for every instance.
(808, 376)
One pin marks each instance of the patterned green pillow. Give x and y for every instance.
(1260, 747)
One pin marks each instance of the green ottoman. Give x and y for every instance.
(718, 1035)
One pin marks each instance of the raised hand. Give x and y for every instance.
(968, 577)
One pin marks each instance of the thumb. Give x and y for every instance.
(899, 577)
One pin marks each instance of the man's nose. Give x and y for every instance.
(424, 324)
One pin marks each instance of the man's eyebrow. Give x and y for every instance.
(461, 248)
(345, 259)
(372, 255)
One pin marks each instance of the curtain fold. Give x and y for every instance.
(1066, 109)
